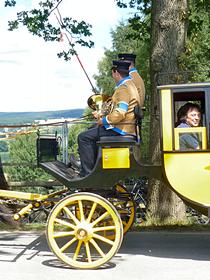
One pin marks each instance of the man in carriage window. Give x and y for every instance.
(189, 116)
(134, 74)
(119, 121)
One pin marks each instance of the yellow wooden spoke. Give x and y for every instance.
(124, 222)
(71, 215)
(97, 248)
(64, 223)
(123, 211)
(104, 228)
(68, 244)
(82, 217)
(77, 250)
(99, 219)
(63, 234)
(93, 208)
(106, 240)
(88, 252)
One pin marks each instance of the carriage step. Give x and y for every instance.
(59, 168)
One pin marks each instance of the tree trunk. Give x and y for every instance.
(169, 25)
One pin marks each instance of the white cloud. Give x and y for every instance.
(34, 79)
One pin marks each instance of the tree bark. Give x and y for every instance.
(169, 26)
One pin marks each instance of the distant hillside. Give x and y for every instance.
(29, 117)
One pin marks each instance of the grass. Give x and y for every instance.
(188, 225)
(136, 227)
(171, 227)
(23, 227)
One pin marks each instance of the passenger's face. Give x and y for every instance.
(193, 117)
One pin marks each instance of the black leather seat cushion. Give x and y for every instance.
(112, 139)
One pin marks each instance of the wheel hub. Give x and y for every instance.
(84, 232)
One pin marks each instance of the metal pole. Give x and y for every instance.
(77, 56)
(65, 141)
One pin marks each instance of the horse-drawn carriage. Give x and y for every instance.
(90, 215)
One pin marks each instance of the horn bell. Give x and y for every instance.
(95, 101)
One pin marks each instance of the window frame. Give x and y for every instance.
(202, 95)
(200, 129)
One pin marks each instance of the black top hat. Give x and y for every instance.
(120, 65)
(127, 56)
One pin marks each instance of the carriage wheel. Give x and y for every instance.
(78, 240)
(125, 206)
(128, 208)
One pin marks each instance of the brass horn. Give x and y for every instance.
(95, 101)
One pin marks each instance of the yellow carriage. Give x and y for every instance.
(86, 225)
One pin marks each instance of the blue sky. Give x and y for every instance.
(33, 78)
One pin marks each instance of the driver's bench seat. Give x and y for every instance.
(126, 139)
(119, 151)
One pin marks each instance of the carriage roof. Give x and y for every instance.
(188, 85)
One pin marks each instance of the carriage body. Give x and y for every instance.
(116, 160)
(187, 172)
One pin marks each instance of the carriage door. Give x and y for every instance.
(187, 171)
(208, 115)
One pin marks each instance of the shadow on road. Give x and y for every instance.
(20, 242)
(16, 242)
(179, 245)
(58, 264)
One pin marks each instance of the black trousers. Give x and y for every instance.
(88, 148)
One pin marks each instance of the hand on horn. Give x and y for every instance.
(96, 114)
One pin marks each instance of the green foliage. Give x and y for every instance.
(140, 21)
(194, 61)
(37, 21)
(10, 3)
(141, 6)
(197, 11)
(23, 151)
(3, 146)
(75, 129)
(72, 141)
(124, 39)
(196, 58)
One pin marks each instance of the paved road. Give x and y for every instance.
(143, 255)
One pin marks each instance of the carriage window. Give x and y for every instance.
(189, 121)
(187, 139)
